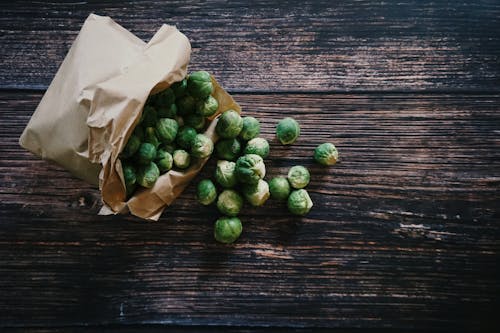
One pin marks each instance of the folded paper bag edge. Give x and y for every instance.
(118, 104)
(57, 130)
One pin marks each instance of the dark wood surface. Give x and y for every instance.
(404, 234)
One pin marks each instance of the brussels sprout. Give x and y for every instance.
(146, 153)
(299, 202)
(131, 147)
(179, 88)
(287, 131)
(149, 116)
(257, 146)
(229, 124)
(207, 107)
(202, 146)
(279, 188)
(139, 132)
(227, 229)
(256, 194)
(326, 154)
(169, 111)
(164, 160)
(199, 84)
(225, 173)
(129, 176)
(229, 203)
(165, 98)
(250, 168)
(185, 137)
(228, 149)
(195, 121)
(182, 160)
(147, 175)
(150, 136)
(251, 128)
(185, 105)
(166, 129)
(298, 176)
(206, 192)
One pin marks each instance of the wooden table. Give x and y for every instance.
(404, 233)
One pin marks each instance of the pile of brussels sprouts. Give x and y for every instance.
(240, 171)
(169, 136)
(169, 133)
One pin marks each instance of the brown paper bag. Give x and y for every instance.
(95, 101)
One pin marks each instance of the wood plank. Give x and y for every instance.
(298, 46)
(404, 232)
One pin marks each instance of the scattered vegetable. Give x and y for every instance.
(279, 188)
(299, 202)
(287, 131)
(202, 146)
(250, 129)
(326, 154)
(229, 124)
(258, 146)
(227, 229)
(206, 192)
(250, 168)
(256, 194)
(229, 203)
(298, 176)
(225, 173)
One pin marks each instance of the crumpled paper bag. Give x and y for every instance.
(94, 102)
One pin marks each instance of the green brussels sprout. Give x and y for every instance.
(326, 154)
(166, 129)
(150, 136)
(199, 84)
(299, 202)
(179, 88)
(279, 188)
(130, 178)
(258, 146)
(229, 203)
(251, 128)
(229, 124)
(256, 194)
(185, 105)
(298, 176)
(185, 137)
(182, 160)
(131, 147)
(147, 175)
(206, 192)
(207, 107)
(149, 116)
(250, 168)
(164, 160)
(195, 121)
(202, 146)
(225, 173)
(139, 132)
(287, 131)
(227, 229)
(165, 98)
(228, 149)
(146, 153)
(169, 111)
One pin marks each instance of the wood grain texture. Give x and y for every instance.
(404, 232)
(293, 46)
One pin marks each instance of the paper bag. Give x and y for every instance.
(95, 100)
